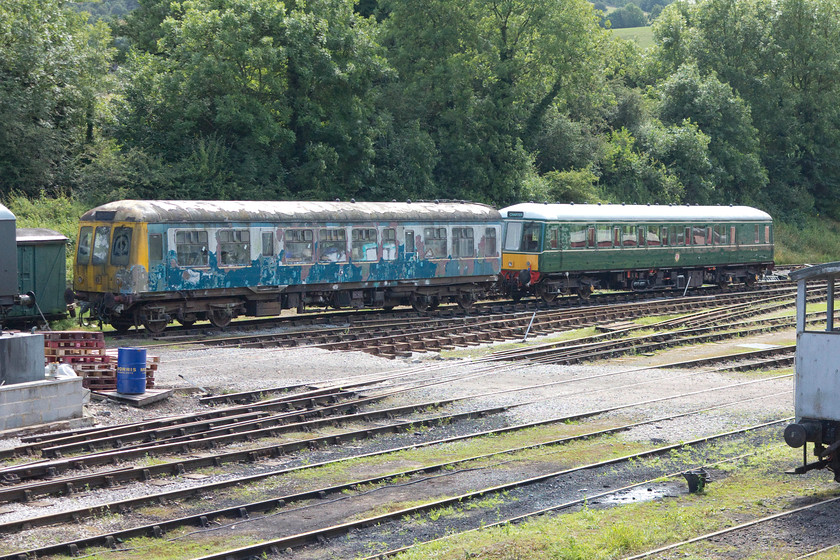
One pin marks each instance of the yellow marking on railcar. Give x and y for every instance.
(517, 261)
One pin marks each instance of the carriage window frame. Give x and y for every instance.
(604, 236)
(85, 246)
(652, 238)
(767, 235)
(757, 238)
(332, 241)
(362, 242)
(389, 244)
(298, 245)
(698, 236)
(101, 245)
(156, 247)
(463, 242)
(629, 235)
(434, 242)
(233, 247)
(641, 240)
(410, 245)
(581, 236)
(663, 235)
(532, 237)
(121, 245)
(491, 245)
(267, 248)
(191, 248)
(513, 236)
(720, 235)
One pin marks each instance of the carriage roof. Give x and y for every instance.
(633, 213)
(214, 211)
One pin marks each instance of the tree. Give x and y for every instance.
(52, 70)
(629, 16)
(782, 60)
(480, 77)
(713, 106)
(244, 98)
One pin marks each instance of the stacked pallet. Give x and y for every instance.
(85, 352)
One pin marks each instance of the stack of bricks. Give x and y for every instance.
(85, 352)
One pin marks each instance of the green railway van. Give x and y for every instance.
(551, 249)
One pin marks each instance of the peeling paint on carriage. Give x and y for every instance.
(220, 259)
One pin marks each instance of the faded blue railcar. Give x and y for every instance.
(148, 262)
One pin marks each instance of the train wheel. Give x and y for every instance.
(434, 303)
(156, 326)
(465, 301)
(388, 307)
(750, 280)
(420, 303)
(584, 292)
(546, 295)
(122, 326)
(516, 295)
(220, 318)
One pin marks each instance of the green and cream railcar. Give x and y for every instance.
(550, 249)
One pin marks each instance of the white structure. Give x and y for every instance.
(817, 383)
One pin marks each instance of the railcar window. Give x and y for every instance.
(463, 242)
(653, 238)
(720, 235)
(490, 247)
(531, 237)
(234, 247)
(83, 252)
(578, 236)
(663, 235)
(642, 239)
(389, 244)
(101, 244)
(681, 237)
(732, 239)
(767, 234)
(191, 248)
(363, 246)
(267, 244)
(513, 236)
(409, 241)
(628, 236)
(698, 235)
(603, 237)
(332, 245)
(435, 242)
(155, 247)
(297, 245)
(121, 246)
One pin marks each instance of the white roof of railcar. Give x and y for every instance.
(210, 211)
(634, 213)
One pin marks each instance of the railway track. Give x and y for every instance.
(279, 432)
(401, 339)
(244, 511)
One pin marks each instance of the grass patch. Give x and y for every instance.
(641, 35)
(816, 241)
(750, 489)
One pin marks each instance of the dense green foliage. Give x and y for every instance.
(490, 100)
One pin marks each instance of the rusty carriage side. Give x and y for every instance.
(149, 262)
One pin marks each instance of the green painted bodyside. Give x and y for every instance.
(660, 257)
(41, 270)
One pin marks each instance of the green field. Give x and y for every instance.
(642, 35)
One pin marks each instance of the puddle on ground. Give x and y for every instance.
(646, 493)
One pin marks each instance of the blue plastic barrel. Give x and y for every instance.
(131, 371)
